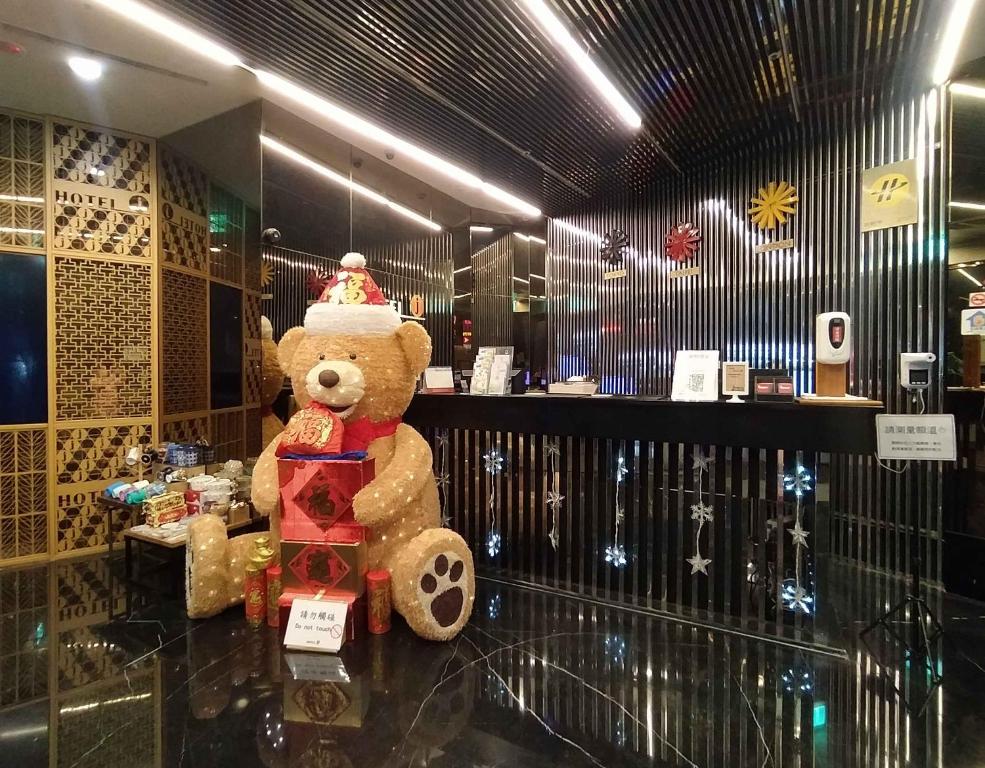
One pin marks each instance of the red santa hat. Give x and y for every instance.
(352, 304)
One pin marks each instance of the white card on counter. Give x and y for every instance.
(316, 625)
(439, 378)
(919, 438)
(695, 375)
(499, 374)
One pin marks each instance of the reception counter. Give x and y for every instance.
(764, 425)
(551, 491)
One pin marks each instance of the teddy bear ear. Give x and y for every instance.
(287, 347)
(416, 344)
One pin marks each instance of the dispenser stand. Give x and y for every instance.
(831, 379)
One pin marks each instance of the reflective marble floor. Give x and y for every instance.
(95, 674)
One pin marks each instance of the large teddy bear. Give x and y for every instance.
(355, 356)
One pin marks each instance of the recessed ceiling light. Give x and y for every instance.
(558, 32)
(953, 33)
(85, 68)
(968, 206)
(478, 228)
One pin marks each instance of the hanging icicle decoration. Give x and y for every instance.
(442, 477)
(554, 497)
(700, 512)
(493, 461)
(795, 596)
(615, 553)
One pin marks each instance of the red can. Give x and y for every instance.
(378, 601)
(255, 595)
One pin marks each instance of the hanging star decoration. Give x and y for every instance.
(699, 564)
(442, 476)
(615, 553)
(682, 241)
(700, 512)
(493, 541)
(700, 462)
(614, 247)
(795, 596)
(493, 461)
(773, 204)
(799, 535)
(554, 497)
(799, 482)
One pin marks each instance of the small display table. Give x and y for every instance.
(163, 551)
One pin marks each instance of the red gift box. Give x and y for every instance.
(355, 620)
(317, 495)
(319, 565)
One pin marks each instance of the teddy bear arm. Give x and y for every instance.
(265, 491)
(400, 481)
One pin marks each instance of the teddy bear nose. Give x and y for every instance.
(328, 378)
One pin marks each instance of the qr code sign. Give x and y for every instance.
(696, 382)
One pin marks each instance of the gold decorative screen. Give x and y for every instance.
(184, 342)
(21, 182)
(87, 454)
(23, 493)
(184, 191)
(102, 339)
(227, 435)
(102, 191)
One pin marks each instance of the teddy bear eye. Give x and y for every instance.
(352, 356)
(321, 357)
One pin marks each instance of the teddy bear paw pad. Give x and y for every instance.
(441, 592)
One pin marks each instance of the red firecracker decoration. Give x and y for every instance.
(317, 280)
(682, 241)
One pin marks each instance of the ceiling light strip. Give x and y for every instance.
(966, 89)
(338, 178)
(971, 278)
(951, 42)
(559, 33)
(176, 32)
(968, 206)
(188, 37)
(350, 121)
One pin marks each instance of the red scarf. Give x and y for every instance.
(360, 433)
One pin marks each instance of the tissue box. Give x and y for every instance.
(316, 495)
(311, 566)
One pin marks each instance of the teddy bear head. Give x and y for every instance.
(356, 375)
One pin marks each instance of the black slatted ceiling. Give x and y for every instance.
(476, 81)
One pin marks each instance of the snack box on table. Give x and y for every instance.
(317, 495)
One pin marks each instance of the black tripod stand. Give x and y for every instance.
(909, 626)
